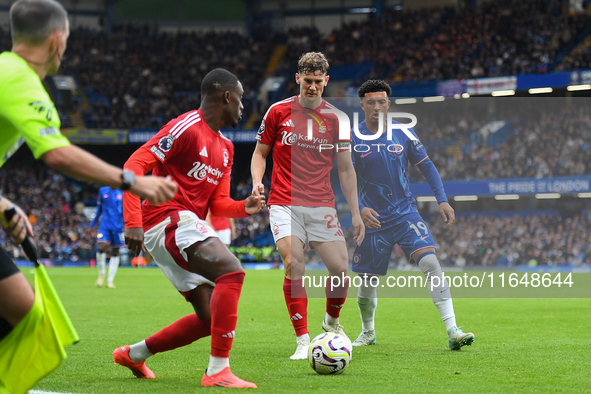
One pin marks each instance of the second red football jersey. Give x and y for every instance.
(301, 165)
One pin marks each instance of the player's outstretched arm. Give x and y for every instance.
(258, 166)
(447, 213)
(78, 163)
(134, 239)
(221, 204)
(433, 178)
(348, 180)
(254, 204)
(140, 162)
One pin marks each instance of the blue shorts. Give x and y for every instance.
(113, 237)
(373, 256)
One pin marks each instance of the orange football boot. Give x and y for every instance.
(139, 369)
(225, 378)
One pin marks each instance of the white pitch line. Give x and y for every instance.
(45, 392)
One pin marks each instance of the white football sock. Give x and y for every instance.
(139, 352)
(113, 265)
(440, 295)
(331, 320)
(305, 337)
(101, 259)
(217, 364)
(367, 300)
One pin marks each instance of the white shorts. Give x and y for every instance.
(307, 223)
(225, 236)
(167, 242)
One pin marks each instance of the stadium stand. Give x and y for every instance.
(539, 144)
(498, 38)
(141, 77)
(505, 239)
(61, 229)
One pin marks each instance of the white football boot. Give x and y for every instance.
(301, 352)
(367, 337)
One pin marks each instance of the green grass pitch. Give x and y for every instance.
(522, 345)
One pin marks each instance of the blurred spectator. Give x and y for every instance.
(540, 144)
(476, 240)
(486, 240)
(60, 232)
(506, 37)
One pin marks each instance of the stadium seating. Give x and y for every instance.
(140, 78)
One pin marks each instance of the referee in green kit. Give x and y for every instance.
(40, 31)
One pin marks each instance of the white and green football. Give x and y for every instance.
(330, 353)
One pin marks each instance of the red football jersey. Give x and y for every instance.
(301, 166)
(196, 157)
(220, 223)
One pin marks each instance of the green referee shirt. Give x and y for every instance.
(27, 114)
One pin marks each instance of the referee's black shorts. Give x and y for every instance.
(7, 266)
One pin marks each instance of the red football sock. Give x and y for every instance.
(335, 297)
(224, 312)
(182, 332)
(296, 300)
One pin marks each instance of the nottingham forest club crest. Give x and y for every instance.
(321, 122)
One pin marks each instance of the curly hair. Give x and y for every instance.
(374, 85)
(310, 62)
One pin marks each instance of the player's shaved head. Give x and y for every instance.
(33, 21)
(311, 62)
(373, 86)
(218, 80)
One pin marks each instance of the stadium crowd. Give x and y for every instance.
(141, 78)
(506, 240)
(497, 38)
(54, 204)
(539, 144)
(62, 231)
(545, 145)
(545, 239)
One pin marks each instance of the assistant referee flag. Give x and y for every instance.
(35, 347)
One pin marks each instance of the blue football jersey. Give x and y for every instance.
(110, 207)
(382, 172)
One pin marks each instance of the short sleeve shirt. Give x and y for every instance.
(301, 165)
(196, 158)
(27, 114)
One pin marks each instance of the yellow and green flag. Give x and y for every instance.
(35, 347)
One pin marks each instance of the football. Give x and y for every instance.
(330, 353)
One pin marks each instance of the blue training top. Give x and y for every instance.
(382, 173)
(110, 206)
